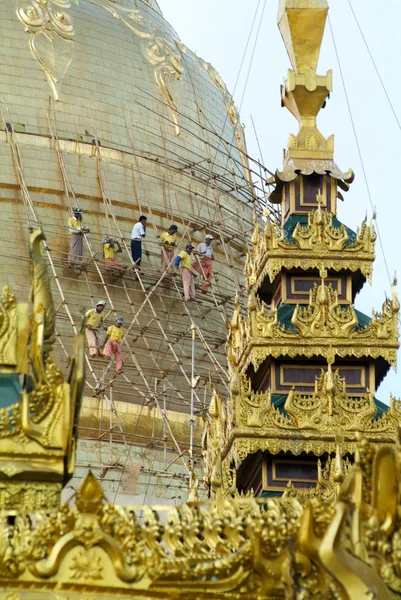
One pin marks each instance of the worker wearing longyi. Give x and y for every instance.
(111, 247)
(183, 261)
(95, 335)
(206, 258)
(76, 229)
(116, 334)
(169, 241)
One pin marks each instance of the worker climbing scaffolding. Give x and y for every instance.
(112, 349)
(95, 334)
(205, 265)
(169, 242)
(183, 262)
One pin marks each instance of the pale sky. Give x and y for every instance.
(217, 30)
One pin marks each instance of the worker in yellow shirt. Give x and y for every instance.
(95, 335)
(111, 247)
(77, 230)
(169, 241)
(183, 261)
(112, 349)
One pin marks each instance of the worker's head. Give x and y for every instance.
(143, 219)
(100, 306)
(112, 241)
(208, 239)
(189, 248)
(172, 229)
(78, 214)
(119, 321)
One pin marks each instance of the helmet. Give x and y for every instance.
(120, 320)
(101, 303)
(77, 211)
(189, 247)
(173, 227)
(209, 237)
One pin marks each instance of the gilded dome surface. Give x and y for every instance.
(104, 108)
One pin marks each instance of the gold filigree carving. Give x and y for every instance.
(37, 432)
(234, 547)
(323, 317)
(316, 245)
(51, 30)
(8, 328)
(316, 328)
(309, 423)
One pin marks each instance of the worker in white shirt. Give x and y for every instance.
(205, 264)
(138, 232)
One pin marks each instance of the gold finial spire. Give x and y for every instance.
(302, 23)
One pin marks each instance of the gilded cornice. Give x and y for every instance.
(316, 245)
(218, 548)
(315, 329)
(310, 423)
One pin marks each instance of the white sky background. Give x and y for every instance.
(217, 30)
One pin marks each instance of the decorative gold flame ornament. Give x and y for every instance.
(39, 415)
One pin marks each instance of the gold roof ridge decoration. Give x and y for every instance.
(39, 421)
(316, 327)
(310, 423)
(316, 245)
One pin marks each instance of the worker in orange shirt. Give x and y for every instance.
(112, 348)
(206, 258)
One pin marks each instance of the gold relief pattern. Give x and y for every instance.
(324, 317)
(36, 433)
(51, 30)
(238, 548)
(233, 115)
(318, 326)
(162, 53)
(257, 424)
(317, 245)
(320, 233)
(8, 328)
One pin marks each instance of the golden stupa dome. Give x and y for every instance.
(104, 108)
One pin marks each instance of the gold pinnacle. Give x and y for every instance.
(301, 23)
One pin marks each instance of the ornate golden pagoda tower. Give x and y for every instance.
(304, 362)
